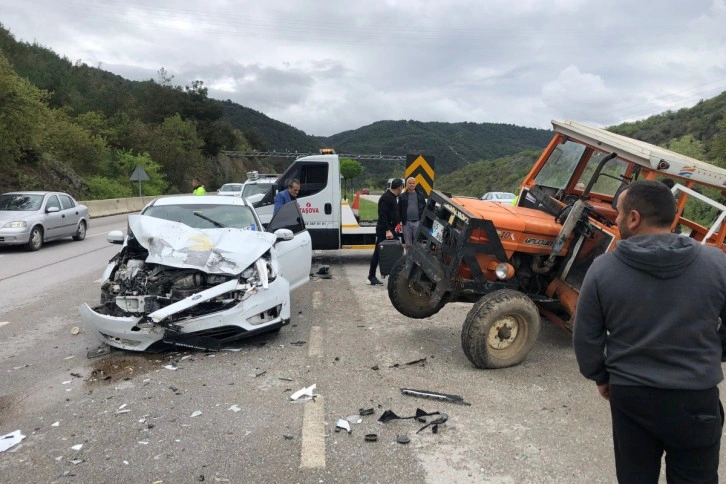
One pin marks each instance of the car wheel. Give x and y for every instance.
(81, 232)
(500, 329)
(36, 239)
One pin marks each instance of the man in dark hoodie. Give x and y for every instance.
(647, 331)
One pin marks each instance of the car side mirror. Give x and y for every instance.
(284, 234)
(52, 210)
(115, 237)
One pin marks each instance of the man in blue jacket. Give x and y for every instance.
(647, 331)
(287, 195)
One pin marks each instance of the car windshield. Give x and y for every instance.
(506, 196)
(231, 187)
(20, 202)
(255, 189)
(206, 216)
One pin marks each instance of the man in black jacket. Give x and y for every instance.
(388, 218)
(647, 332)
(411, 204)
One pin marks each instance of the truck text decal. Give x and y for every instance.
(308, 208)
(543, 243)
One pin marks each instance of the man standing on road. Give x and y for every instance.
(411, 204)
(388, 218)
(198, 188)
(287, 196)
(647, 332)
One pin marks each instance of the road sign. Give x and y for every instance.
(421, 168)
(139, 175)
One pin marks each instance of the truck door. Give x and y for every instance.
(318, 199)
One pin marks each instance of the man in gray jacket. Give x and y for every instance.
(647, 331)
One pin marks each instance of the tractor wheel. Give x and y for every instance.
(500, 330)
(408, 299)
(81, 232)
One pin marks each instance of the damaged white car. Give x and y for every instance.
(200, 272)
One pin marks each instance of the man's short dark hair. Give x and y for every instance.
(396, 183)
(292, 182)
(653, 201)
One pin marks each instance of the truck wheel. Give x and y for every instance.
(500, 330)
(408, 299)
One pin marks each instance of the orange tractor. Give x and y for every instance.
(520, 262)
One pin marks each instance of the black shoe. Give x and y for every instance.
(374, 281)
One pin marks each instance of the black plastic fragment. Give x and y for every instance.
(402, 439)
(458, 399)
(370, 437)
(365, 411)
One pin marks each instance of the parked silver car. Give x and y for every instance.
(199, 272)
(505, 198)
(33, 218)
(230, 190)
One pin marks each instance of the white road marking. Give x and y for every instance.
(4, 323)
(315, 346)
(317, 299)
(312, 451)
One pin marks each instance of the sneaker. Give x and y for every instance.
(374, 281)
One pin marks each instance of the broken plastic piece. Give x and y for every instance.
(10, 440)
(75, 330)
(354, 419)
(307, 392)
(100, 351)
(402, 439)
(196, 413)
(77, 447)
(234, 408)
(458, 399)
(55, 424)
(365, 411)
(435, 423)
(388, 415)
(370, 437)
(343, 424)
(170, 367)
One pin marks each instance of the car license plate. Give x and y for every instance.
(437, 231)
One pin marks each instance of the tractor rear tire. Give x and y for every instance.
(408, 299)
(500, 330)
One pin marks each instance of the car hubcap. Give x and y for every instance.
(35, 238)
(82, 230)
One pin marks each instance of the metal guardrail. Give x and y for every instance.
(295, 154)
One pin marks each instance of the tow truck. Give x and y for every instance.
(519, 263)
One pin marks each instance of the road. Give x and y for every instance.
(537, 422)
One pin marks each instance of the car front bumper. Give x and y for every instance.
(264, 310)
(14, 236)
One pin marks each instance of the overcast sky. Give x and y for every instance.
(326, 66)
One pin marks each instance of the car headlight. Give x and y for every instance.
(16, 225)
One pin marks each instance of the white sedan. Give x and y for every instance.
(499, 197)
(199, 272)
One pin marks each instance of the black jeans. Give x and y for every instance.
(685, 424)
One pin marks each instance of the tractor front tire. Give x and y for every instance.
(500, 330)
(409, 300)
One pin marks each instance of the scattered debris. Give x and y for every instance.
(285, 378)
(76, 375)
(103, 350)
(287, 437)
(19, 367)
(119, 412)
(170, 367)
(389, 415)
(374, 367)
(366, 411)
(68, 357)
(323, 270)
(260, 374)
(298, 343)
(434, 424)
(458, 399)
(185, 357)
(419, 362)
(306, 392)
(75, 462)
(234, 408)
(342, 424)
(354, 419)
(122, 407)
(10, 440)
(196, 413)
(75, 330)
(402, 439)
(55, 424)
(77, 447)
(143, 442)
(68, 382)
(370, 437)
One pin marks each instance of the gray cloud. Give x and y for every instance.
(325, 66)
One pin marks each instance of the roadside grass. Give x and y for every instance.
(368, 210)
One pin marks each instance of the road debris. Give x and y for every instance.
(342, 424)
(10, 440)
(298, 343)
(304, 392)
(170, 367)
(389, 415)
(419, 362)
(434, 424)
(77, 447)
(458, 399)
(370, 437)
(100, 351)
(260, 374)
(55, 424)
(366, 411)
(234, 408)
(196, 413)
(75, 330)
(402, 439)
(287, 437)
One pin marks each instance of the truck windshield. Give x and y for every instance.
(610, 177)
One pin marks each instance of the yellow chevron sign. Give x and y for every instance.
(422, 170)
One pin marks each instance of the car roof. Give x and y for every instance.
(35, 193)
(198, 200)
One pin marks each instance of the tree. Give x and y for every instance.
(349, 169)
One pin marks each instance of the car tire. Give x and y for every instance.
(500, 330)
(35, 241)
(407, 298)
(81, 232)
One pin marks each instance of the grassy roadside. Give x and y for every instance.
(368, 210)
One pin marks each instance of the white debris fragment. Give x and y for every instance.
(146, 380)
(55, 424)
(77, 447)
(75, 462)
(10, 440)
(19, 367)
(122, 406)
(75, 330)
(125, 410)
(126, 462)
(59, 458)
(68, 382)
(185, 357)
(142, 442)
(170, 367)
(306, 392)
(196, 413)
(343, 424)
(68, 357)
(354, 419)
(234, 408)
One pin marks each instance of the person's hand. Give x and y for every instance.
(604, 391)
(389, 234)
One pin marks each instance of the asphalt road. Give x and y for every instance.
(537, 422)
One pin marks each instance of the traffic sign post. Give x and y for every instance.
(139, 175)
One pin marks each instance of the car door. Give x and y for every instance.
(70, 215)
(53, 221)
(294, 256)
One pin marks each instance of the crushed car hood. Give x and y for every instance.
(215, 251)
